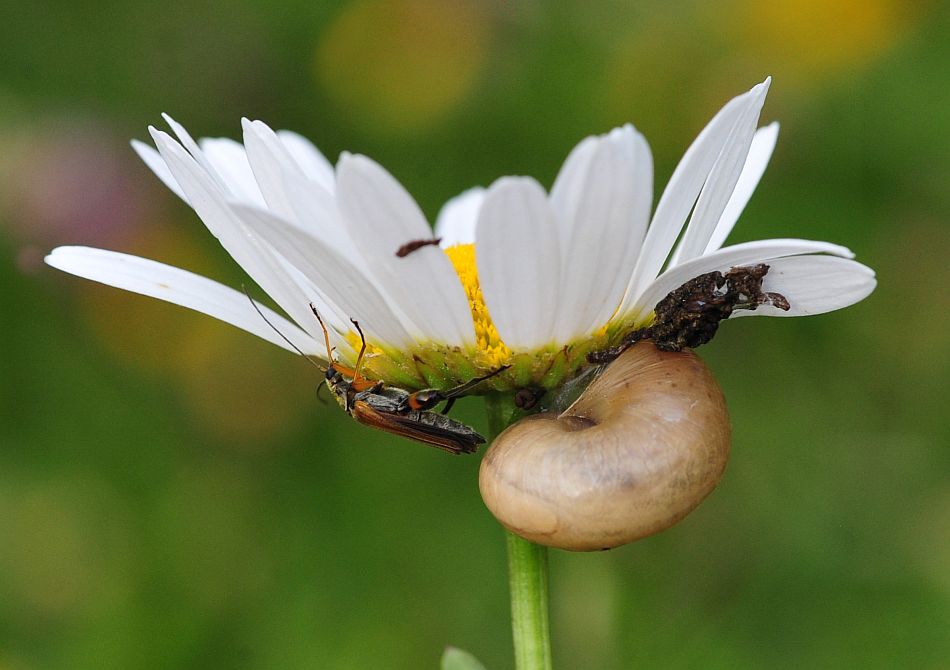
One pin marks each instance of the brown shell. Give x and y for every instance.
(637, 452)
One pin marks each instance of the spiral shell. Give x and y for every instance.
(637, 452)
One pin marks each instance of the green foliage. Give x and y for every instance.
(172, 494)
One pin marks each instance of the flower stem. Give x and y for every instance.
(527, 578)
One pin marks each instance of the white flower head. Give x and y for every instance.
(523, 277)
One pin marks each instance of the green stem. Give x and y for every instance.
(527, 577)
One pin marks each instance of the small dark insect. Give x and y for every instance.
(409, 247)
(689, 316)
(526, 399)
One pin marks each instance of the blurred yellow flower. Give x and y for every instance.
(810, 39)
(402, 63)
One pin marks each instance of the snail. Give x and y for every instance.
(641, 447)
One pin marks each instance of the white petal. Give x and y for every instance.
(602, 200)
(382, 217)
(727, 258)
(272, 164)
(763, 143)
(316, 213)
(457, 218)
(681, 192)
(180, 287)
(257, 259)
(643, 190)
(191, 147)
(814, 285)
(568, 191)
(722, 180)
(156, 163)
(313, 163)
(291, 194)
(518, 262)
(229, 160)
(343, 283)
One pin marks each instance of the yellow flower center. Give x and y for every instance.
(486, 335)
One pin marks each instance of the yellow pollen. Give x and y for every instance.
(356, 342)
(486, 336)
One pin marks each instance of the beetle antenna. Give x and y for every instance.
(326, 333)
(359, 359)
(323, 382)
(282, 336)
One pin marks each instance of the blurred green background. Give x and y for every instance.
(172, 495)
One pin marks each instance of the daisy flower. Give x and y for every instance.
(523, 277)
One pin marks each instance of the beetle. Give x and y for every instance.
(397, 411)
(390, 408)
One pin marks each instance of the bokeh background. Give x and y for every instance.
(172, 495)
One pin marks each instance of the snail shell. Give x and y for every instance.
(637, 452)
